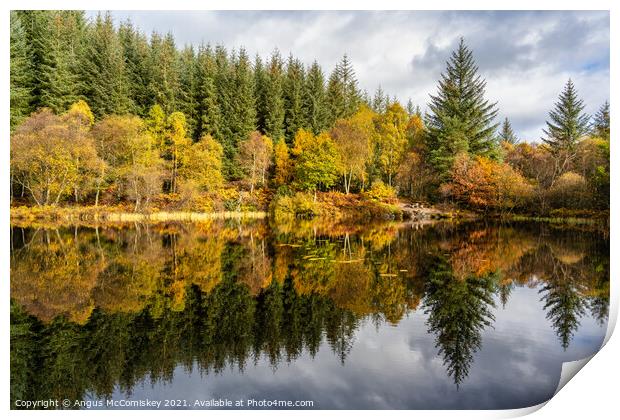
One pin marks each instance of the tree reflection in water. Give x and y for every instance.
(95, 309)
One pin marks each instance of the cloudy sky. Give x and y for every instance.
(526, 57)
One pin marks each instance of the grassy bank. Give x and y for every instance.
(87, 215)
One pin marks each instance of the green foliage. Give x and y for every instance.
(460, 118)
(568, 124)
(164, 82)
(208, 112)
(506, 134)
(293, 98)
(105, 81)
(343, 96)
(315, 100)
(601, 125)
(20, 84)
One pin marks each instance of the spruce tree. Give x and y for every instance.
(411, 109)
(20, 71)
(37, 31)
(460, 118)
(379, 101)
(260, 81)
(54, 40)
(61, 84)
(105, 81)
(164, 66)
(236, 97)
(274, 98)
(208, 114)
(315, 105)
(293, 98)
(567, 122)
(186, 97)
(600, 127)
(136, 53)
(343, 96)
(506, 133)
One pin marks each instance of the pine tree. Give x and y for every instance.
(236, 97)
(61, 87)
(20, 71)
(460, 119)
(37, 28)
(105, 81)
(136, 53)
(274, 98)
(293, 98)
(54, 40)
(208, 114)
(260, 82)
(164, 66)
(506, 134)
(186, 98)
(315, 106)
(568, 124)
(379, 101)
(600, 127)
(343, 95)
(411, 109)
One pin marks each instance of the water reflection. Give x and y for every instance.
(96, 311)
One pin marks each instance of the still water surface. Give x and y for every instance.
(446, 316)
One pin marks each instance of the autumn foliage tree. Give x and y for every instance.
(129, 149)
(50, 157)
(255, 158)
(317, 163)
(353, 138)
(486, 185)
(390, 140)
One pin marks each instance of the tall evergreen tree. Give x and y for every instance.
(343, 95)
(379, 101)
(506, 133)
(460, 119)
(293, 98)
(20, 84)
(105, 81)
(600, 127)
(567, 124)
(236, 91)
(274, 98)
(411, 109)
(136, 53)
(260, 82)
(37, 28)
(164, 66)
(208, 114)
(315, 105)
(186, 97)
(54, 41)
(61, 87)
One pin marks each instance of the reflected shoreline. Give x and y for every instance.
(97, 309)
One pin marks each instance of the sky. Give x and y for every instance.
(526, 57)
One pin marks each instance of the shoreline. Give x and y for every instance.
(87, 215)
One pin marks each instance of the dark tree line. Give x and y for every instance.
(59, 57)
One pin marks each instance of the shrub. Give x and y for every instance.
(569, 191)
(381, 192)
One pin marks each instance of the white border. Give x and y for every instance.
(592, 394)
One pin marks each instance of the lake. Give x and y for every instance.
(383, 316)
